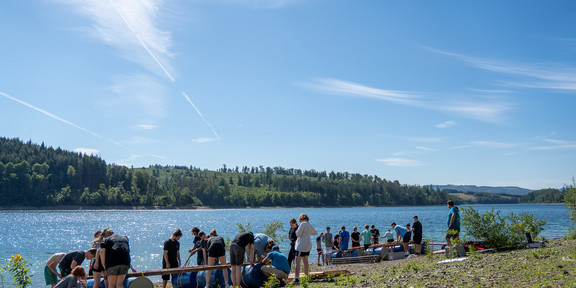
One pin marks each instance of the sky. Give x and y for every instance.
(423, 92)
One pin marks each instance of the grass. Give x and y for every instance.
(552, 266)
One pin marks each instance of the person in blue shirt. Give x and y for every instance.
(404, 235)
(453, 223)
(344, 239)
(276, 263)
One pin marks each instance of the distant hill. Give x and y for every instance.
(511, 190)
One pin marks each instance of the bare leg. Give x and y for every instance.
(306, 266)
(209, 272)
(97, 276)
(297, 268)
(112, 281)
(236, 275)
(225, 271)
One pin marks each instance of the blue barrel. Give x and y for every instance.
(399, 248)
(354, 253)
(185, 280)
(377, 251)
(216, 278)
(336, 255)
(252, 276)
(139, 282)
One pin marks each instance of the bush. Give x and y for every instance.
(499, 231)
(570, 201)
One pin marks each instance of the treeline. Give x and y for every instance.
(470, 197)
(36, 175)
(544, 196)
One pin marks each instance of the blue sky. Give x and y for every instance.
(423, 92)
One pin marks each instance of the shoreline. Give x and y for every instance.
(137, 208)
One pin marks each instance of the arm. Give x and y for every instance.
(452, 218)
(251, 253)
(166, 259)
(178, 256)
(103, 257)
(73, 264)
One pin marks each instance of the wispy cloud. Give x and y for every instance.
(204, 140)
(87, 151)
(130, 27)
(446, 124)
(541, 75)
(201, 116)
(48, 114)
(265, 4)
(137, 96)
(400, 162)
(486, 110)
(146, 126)
(555, 144)
(487, 144)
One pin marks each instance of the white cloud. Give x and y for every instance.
(555, 144)
(486, 110)
(204, 140)
(446, 124)
(146, 126)
(424, 148)
(400, 162)
(130, 27)
(87, 151)
(492, 144)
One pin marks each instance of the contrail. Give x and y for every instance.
(48, 114)
(201, 116)
(142, 42)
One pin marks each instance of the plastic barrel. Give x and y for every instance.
(354, 253)
(336, 255)
(185, 280)
(252, 276)
(216, 278)
(90, 283)
(138, 282)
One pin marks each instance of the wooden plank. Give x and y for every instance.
(179, 270)
(321, 274)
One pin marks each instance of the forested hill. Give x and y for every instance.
(36, 175)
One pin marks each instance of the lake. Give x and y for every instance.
(37, 235)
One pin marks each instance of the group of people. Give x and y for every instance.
(109, 258)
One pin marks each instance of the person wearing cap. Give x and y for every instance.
(276, 263)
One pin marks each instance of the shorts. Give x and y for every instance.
(302, 254)
(273, 270)
(100, 266)
(49, 276)
(319, 251)
(366, 246)
(406, 237)
(328, 250)
(375, 241)
(417, 239)
(237, 255)
(117, 270)
(457, 229)
(390, 240)
(216, 251)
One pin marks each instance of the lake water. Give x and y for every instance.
(37, 235)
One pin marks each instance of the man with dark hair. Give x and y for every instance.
(344, 239)
(328, 244)
(453, 223)
(197, 246)
(375, 234)
(417, 236)
(73, 259)
(402, 234)
(171, 256)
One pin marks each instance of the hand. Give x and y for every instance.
(59, 275)
(167, 266)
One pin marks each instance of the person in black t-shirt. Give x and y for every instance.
(216, 250)
(73, 259)
(242, 242)
(292, 237)
(115, 255)
(355, 236)
(417, 236)
(197, 249)
(171, 255)
(375, 234)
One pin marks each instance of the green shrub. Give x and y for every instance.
(499, 231)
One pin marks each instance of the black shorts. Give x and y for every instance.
(302, 254)
(406, 237)
(390, 240)
(457, 229)
(366, 246)
(417, 239)
(216, 251)
(237, 255)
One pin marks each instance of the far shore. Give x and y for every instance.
(88, 208)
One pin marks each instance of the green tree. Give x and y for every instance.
(570, 201)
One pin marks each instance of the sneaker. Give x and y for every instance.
(295, 281)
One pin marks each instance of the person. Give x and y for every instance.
(115, 254)
(171, 255)
(366, 237)
(196, 249)
(292, 237)
(375, 235)
(417, 235)
(276, 263)
(216, 250)
(355, 236)
(319, 249)
(389, 236)
(402, 234)
(303, 245)
(94, 244)
(74, 279)
(73, 259)
(337, 241)
(242, 243)
(97, 266)
(453, 223)
(328, 244)
(262, 245)
(51, 275)
(344, 239)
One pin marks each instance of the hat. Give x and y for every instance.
(275, 248)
